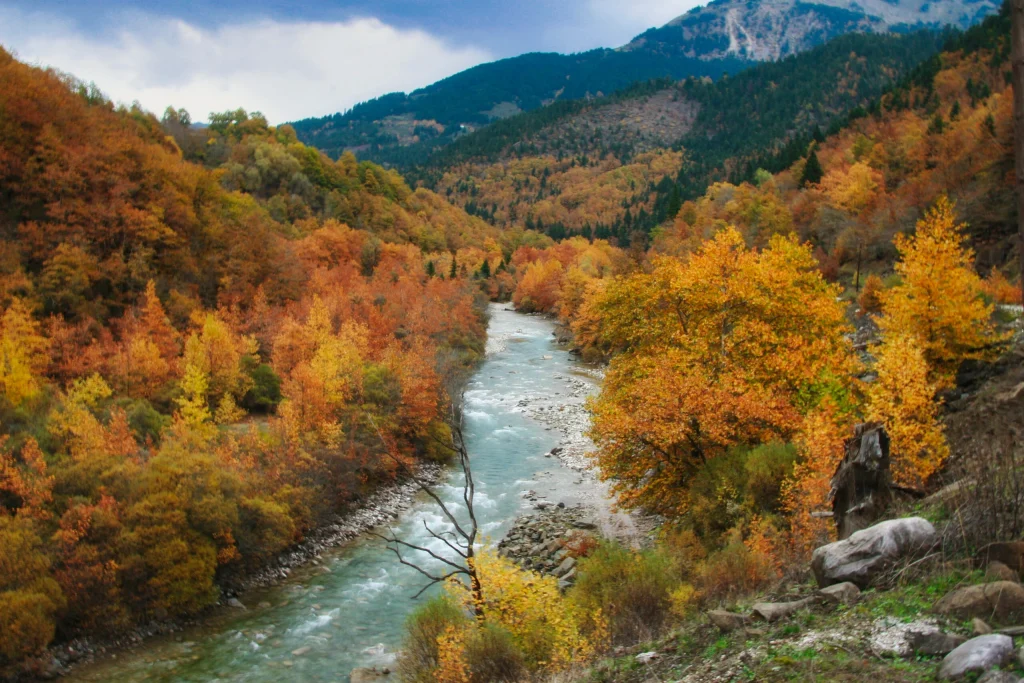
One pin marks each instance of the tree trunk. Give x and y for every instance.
(1017, 57)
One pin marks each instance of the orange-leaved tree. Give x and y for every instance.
(731, 346)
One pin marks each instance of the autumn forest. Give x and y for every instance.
(215, 338)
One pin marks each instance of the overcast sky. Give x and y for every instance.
(301, 58)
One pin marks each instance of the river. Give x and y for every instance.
(349, 611)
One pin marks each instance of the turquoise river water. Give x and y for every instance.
(349, 611)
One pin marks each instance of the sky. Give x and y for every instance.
(300, 58)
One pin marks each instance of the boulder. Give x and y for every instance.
(728, 621)
(567, 565)
(979, 627)
(1010, 553)
(773, 611)
(996, 600)
(365, 675)
(934, 643)
(867, 553)
(997, 676)
(236, 603)
(997, 571)
(845, 593)
(977, 655)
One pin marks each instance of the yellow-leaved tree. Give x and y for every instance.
(542, 625)
(939, 300)
(732, 346)
(903, 399)
(22, 354)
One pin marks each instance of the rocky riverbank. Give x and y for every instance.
(384, 505)
(550, 541)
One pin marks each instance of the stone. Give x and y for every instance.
(979, 627)
(997, 571)
(865, 554)
(728, 621)
(1010, 553)
(566, 566)
(773, 611)
(298, 652)
(845, 593)
(646, 657)
(366, 675)
(236, 603)
(996, 600)
(997, 676)
(977, 655)
(934, 643)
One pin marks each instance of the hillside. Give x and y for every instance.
(210, 343)
(724, 37)
(609, 164)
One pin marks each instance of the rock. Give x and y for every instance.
(1009, 553)
(566, 566)
(728, 621)
(892, 637)
(1012, 631)
(979, 627)
(996, 676)
(976, 655)
(867, 553)
(773, 611)
(845, 593)
(934, 643)
(861, 488)
(996, 600)
(364, 675)
(997, 571)
(646, 657)
(236, 603)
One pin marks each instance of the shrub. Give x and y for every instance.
(491, 656)
(734, 570)
(767, 466)
(419, 659)
(870, 300)
(265, 392)
(632, 590)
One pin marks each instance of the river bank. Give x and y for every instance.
(342, 607)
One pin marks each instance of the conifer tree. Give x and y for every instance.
(812, 171)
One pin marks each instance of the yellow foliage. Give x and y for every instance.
(543, 625)
(903, 399)
(939, 300)
(22, 354)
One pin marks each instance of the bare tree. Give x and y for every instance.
(1017, 58)
(462, 539)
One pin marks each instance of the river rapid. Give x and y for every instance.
(348, 609)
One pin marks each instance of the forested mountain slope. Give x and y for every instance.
(208, 341)
(608, 165)
(724, 37)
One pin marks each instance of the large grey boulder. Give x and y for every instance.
(977, 655)
(867, 553)
(998, 600)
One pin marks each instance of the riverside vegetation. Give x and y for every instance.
(214, 339)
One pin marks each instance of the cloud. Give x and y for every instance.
(287, 70)
(612, 23)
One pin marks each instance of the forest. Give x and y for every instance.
(210, 338)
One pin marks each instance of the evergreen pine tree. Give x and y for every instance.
(431, 270)
(812, 170)
(454, 270)
(485, 269)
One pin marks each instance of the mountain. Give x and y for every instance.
(773, 29)
(609, 165)
(721, 38)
